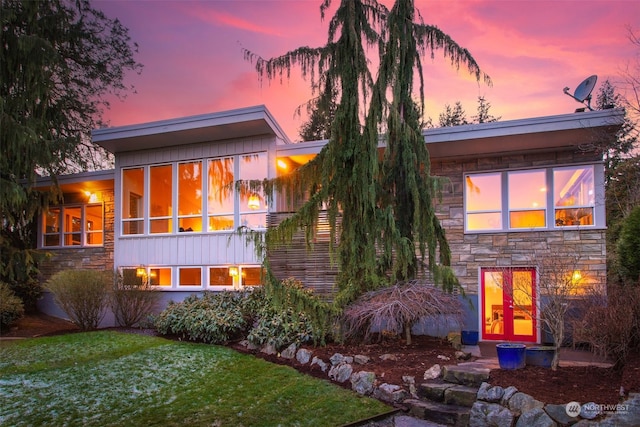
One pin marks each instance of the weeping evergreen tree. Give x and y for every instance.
(406, 212)
(385, 209)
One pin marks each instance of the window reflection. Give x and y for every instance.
(574, 196)
(483, 201)
(527, 199)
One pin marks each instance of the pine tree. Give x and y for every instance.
(453, 116)
(58, 59)
(385, 210)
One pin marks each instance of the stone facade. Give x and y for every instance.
(90, 258)
(511, 249)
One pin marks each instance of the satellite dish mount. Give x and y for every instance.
(582, 93)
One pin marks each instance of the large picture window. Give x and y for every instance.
(73, 226)
(521, 200)
(195, 196)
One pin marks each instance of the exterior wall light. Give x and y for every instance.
(233, 271)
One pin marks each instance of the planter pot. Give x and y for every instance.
(469, 337)
(511, 356)
(540, 356)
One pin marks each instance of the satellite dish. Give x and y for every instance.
(583, 91)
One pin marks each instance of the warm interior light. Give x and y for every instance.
(254, 202)
(576, 276)
(141, 272)
(233, 271)
(282, 164)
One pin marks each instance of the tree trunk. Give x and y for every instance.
(407, 333)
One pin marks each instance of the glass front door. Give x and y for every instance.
(509, 304)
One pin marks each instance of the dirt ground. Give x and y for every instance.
(581, 384)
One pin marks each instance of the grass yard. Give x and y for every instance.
(114, 379)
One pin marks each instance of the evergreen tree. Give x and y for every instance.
(386, 208)
(453, 116)
(58, 59)
(483, 115)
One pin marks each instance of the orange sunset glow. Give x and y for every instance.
(193, 61)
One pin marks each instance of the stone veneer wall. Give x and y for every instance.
(471, 251)
(95, 258)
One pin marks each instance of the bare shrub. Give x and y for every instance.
(132, 299)
(82, 295)
(610, 324)
(397, 308)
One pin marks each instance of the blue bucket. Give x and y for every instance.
(511, 356)
(469, 337)
(540, 356)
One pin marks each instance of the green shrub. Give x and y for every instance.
(82, 295)
(216, 317)
(132, 300)
(628, 247)
(29, 292)
(11, 307)
(288, 314)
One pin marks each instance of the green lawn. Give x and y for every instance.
(113, 379)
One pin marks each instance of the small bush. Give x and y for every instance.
(216, 317)
(82, 295)
(29, 292)
(132, 300)
(289, 313)
(11, 307)
(628, 247)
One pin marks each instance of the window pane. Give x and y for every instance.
(527, 190)
(52, 227)
(253, 167)
(483, 192)
(94, 224)
(484, 221)
(254, 221)
(220, 205)
(160, 198)
(132, 197)
(72, 226)
(574, 195)
(160, 276)
(251, 276)
(527, 219)
(219, 276)
(190, 277)
(190, 196)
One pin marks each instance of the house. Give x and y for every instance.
(169, 209)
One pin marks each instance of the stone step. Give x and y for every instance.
(470, 376)
(452, 394)
(441, 413)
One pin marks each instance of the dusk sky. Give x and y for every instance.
(193, 61)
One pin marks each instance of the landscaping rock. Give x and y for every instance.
(268, 349)
(535, 418)
(289, 352)
(465, 375)
(361, 359)
(443, 357)
(490, 393)
(461, 355)
(559, 414)
(521, 403)
(460, 395)
(508, 393)
(438, 412)
(433, 372)
(340, 373)
(434, 391)
(484, 414)
(388, 357)
(410, 381)
(362, 382)
(337, 359)
(589, 411)
(390, 393)
(303, 356)
(321, 363)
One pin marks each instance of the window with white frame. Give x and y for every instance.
(81, 225)
(170, 198)
(520, 200)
